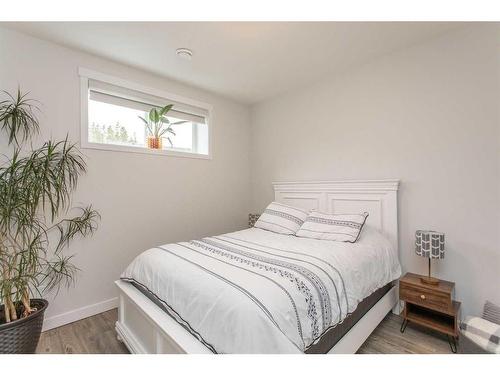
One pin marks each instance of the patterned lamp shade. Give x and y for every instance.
(429, 244)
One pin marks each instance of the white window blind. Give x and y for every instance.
(111, 94)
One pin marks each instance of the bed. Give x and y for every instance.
(255, 291)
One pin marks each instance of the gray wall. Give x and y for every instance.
(427, 115)
(144, 200)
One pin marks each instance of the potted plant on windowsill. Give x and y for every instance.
(35, 191)
(158, 125)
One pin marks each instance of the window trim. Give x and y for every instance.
(86, 74)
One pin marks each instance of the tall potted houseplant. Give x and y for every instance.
(158, 126)
(36, 224)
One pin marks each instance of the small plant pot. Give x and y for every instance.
(22, 335)
(154, 143)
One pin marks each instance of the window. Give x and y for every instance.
(111, 111)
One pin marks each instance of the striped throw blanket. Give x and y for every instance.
(256, 291)
(482, 332)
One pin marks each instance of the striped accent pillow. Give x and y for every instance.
(491, 312)
(344, 228)
(280, 218)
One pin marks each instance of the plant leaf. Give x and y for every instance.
(153, 115)
(166, 109)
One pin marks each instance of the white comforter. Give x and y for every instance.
(256, 291)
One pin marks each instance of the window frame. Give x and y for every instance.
(87, 74)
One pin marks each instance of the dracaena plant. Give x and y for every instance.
(158, 125)
(37, 221)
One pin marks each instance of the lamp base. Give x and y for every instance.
(429, 280)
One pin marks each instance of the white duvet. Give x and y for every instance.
(256, 291)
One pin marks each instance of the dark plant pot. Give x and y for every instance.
(22, 335)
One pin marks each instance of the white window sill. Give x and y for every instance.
(143, 150)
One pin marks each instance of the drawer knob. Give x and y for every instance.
(422, 296)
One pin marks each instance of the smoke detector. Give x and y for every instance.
(184, 53)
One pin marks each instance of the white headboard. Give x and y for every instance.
(377, 197)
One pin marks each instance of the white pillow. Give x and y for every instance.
(280, 218)
(344, 228)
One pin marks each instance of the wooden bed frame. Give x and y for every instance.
(145, 328)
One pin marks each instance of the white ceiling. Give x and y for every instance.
(246, 61)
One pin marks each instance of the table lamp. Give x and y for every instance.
(429, 244)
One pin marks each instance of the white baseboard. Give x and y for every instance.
(77, 314)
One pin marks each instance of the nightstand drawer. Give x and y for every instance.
(423, 297)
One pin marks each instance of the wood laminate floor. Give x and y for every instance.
(94, 335)
(97, 335)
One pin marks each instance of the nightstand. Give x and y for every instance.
(431, 306)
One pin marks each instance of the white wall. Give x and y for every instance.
(428, 115)
(144, 200)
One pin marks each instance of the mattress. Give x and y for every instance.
(256, 291)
